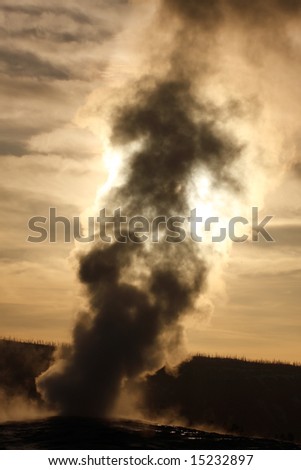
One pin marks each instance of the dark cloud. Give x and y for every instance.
(58, 36)
(297, 169)
(208, 14)
(13, 148)
(11, 255)
(70, 24)
(211, 14)
(28, 89)
(262, 11)
(285, 236)
(39, 10)
(27, 64)
(42, 48)
(14, 137)
(90, 33)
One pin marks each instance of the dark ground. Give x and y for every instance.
(240, 397)
(92, 434)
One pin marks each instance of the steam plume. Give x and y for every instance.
(169, 132)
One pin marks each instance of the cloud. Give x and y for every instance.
(56, 36)
(28, 64)
(211, 15)
(39, 10)
(297, 169)
(203, 13)
(15, 136)
(67, 142)
(73, 23)
(50, 58)
(32, 109)
(13, 148)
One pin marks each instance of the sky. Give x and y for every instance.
(58, 67)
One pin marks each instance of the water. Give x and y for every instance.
(93, 434)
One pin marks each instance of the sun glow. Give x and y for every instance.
(112, 162)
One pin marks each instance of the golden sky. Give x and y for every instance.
(57, 65)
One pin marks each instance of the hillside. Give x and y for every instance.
(220, 394)
(236, 396)
(20, 364)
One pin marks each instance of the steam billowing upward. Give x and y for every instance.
(139, 293)
(131, 325)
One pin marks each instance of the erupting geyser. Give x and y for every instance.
(171, 135)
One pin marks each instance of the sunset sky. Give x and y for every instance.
(57, 63)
